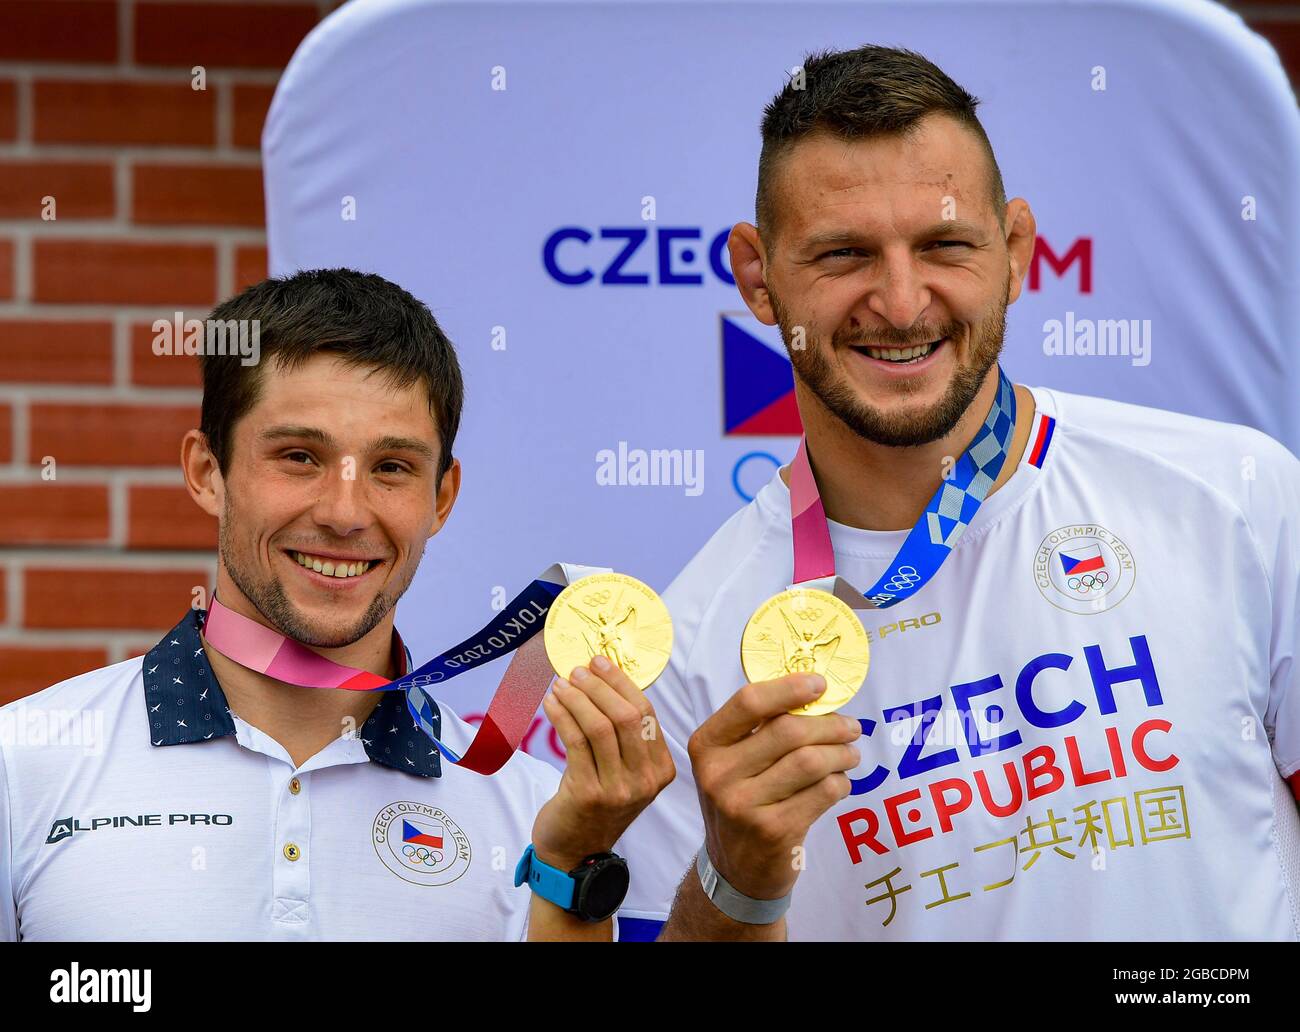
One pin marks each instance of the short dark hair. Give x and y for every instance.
(856, 94)
(362, 317)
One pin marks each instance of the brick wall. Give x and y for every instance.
(158, 207)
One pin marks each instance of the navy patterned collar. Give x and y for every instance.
(186, 704)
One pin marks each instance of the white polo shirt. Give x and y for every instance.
(135, 805)
(1081, 728)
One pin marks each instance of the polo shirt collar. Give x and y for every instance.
(185, 704)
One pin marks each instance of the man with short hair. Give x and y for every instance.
(241, 792)
(1083, 699)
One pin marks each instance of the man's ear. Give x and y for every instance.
(203, 477)
(448, 491)
(1021, 231)
(747, 266)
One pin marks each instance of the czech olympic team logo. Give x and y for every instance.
(1084, 569)
(421, 844)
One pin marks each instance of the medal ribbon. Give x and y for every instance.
(940, 527)
(514, 629)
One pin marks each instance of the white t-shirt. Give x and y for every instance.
(1120, 623)
(135, 805)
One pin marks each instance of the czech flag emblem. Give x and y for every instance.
(413, 835)
(757, 383)
(1083, 560)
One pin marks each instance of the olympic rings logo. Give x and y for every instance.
(420, 680)
(811, 613)
(597, 598)
(419, 855)
(1089, 581)
(905, 577)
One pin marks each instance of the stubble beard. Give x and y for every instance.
(896, 429)
(269, 598)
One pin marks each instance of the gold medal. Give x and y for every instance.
(807, 631)
(610, 615)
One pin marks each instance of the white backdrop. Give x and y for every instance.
(461, 190)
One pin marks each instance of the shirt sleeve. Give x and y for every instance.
(1276, 521)
(545, 780)
(8, 908)
(661, 844)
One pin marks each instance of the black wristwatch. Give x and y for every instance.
(592, 891)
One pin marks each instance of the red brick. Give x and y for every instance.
(44, 351)
(223, 195)
(6, 433)
(71, 30)
(220, 34)
(110, 435)
(6, 269)
(25, 671)
(118, 598)
(250, 265)
(123, 112)
(167, 517)
(152, 370)
(122, 272)
(50, 513)
(8, 110)
(249, 105)
(80, 190)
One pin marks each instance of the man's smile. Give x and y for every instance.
(904, 363)
(333, 570)
(912, 359)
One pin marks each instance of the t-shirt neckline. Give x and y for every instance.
(774, 498)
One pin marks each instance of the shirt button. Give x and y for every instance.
(291, 852)
(295, 786)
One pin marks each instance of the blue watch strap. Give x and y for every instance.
(549, 882)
